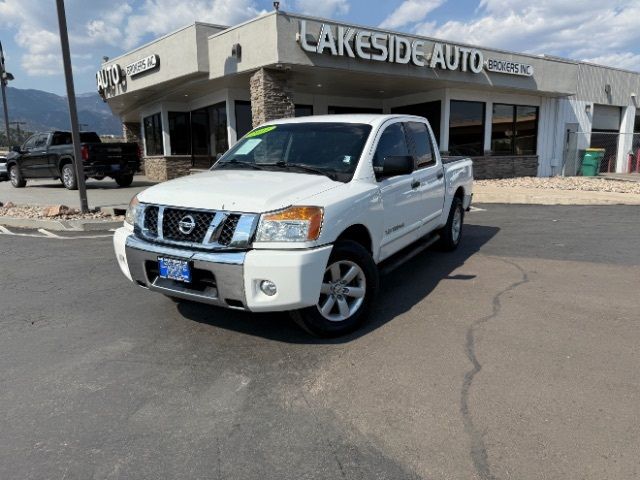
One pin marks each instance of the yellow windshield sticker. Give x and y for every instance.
(260, 131)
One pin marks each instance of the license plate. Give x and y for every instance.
(174, 269)
(115, 168)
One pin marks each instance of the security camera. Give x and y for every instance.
(276, 5)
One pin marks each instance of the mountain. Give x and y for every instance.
(46, 111)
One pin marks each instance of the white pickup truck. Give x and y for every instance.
(297, 216)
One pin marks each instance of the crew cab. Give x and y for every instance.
(297, 216)
(50, 155)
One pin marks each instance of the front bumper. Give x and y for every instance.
(4, 174)
(228, 279)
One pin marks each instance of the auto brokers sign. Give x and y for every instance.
(351, 42)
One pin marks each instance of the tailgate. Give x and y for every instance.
(112, 153)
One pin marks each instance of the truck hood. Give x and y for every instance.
(248, 191)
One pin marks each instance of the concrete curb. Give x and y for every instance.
(551, 197)
(60, 225)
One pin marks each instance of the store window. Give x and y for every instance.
(209, 130)
(466, 128)
(429, 110)
(352, 110)
(304, 110)
(244, 119)
(514, 130)
(153, 135)
(180, 133)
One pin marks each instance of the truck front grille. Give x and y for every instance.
(176, 225)
(151, 221)
(202, 228)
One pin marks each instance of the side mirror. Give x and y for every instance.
(16, 148)
(395, 165)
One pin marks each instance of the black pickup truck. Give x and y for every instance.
(50, 155)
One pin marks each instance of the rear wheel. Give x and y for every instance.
(124, 180)
(69, 177)
(349, 286)
(17, 181)
(451, 233)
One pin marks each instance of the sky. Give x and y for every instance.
(604, 32)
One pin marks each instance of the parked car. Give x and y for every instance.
(4, 174)
(50, 155)
(297, 216)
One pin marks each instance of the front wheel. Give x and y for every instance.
(349, 286)
(17, 181)
(69, 177)
(451, 233)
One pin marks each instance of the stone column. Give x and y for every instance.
(131, 132)
(271, 97)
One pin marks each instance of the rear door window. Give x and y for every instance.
(421, 144)
(41, 141)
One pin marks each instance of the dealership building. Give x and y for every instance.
(188, 96)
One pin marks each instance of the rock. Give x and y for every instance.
(9, 205)
(55, 211)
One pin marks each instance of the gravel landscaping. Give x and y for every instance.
(585, 184)
(57, 212)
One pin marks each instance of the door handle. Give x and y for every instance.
(415, 184)
(440, 175)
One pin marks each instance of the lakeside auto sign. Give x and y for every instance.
(108, 78)
(388, 47)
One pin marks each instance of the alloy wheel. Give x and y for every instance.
(343, 290)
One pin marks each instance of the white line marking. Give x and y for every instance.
(4, 230)
(476, 209)
(48, 233)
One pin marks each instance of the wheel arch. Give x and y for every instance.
(63, 161)
(357, 233)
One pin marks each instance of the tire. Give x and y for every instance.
(124, 180)
(16, 178)
(344, 311)
(68, 176)
(451, 233)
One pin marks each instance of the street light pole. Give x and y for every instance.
(73, 111)
(3, 85)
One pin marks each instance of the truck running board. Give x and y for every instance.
(403, 256)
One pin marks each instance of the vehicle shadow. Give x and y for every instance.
(399, 291)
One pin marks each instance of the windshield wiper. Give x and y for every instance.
(305, 168)
(239, 163)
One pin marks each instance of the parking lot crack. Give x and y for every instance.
(478, 449)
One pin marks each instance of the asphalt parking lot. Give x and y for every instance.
(101, 193)
(516, 357)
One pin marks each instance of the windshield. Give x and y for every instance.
(331, 149)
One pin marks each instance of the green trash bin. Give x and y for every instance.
(591, 162)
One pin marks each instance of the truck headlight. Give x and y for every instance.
(293, 224)
(133, 211)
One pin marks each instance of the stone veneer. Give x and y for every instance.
(271, 97)
(160, 169)
(132, 132)
(504, 167)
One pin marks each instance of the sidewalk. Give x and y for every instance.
(501, 191)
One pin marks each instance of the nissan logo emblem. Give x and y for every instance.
(187, 224)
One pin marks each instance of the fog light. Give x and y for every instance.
(268, 288)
